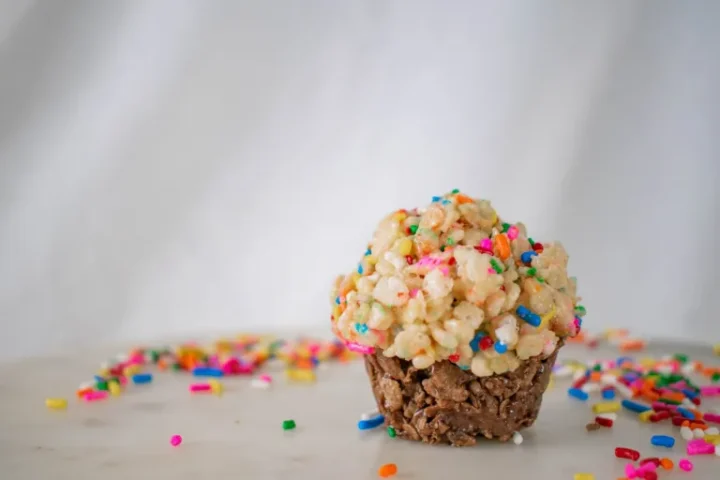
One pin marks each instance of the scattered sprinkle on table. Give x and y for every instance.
(288, 424)
(175, 440)
(56, 403)
(662, 441)
(583, 476)
(387, 470)
(391, 432)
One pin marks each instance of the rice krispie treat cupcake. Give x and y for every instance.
(460, 317)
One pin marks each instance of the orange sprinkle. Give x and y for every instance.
(81, 392)
(666, 463)
(696, 413)
(387, 470)
(631, 345)
(304, 364)
(686, 423)
(595, 376)
(503, 246)
(463, 199)
(676, 397)
(701, 426)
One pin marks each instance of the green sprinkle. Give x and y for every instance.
(154, 356)
(715, 377)
(532, 242)
(580, 310)
(540, 279)
(391, 432)
(288, 424)
(505, 227)
(681, 357)
(668, 401)
(450, 241)
(455, 190)
(597, 368)
(531, 271)
(101, 385)
(442, 248)
(496, 266)
(413, 229)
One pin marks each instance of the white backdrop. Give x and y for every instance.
(174, 167)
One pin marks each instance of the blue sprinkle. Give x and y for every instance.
(436, 199)
(98, 378)
(500, 347)
(367, 252)
(445, 202)
(207, 372)
(314, 360)
(526, 257)
(522, 311)
(140, 378)
(464, 367)
(686, 413)
(577, 393)
(360, 269)
(361, 328)
(608, 394)
(662, 441)
(689, 393)
(622, 360)
(634, 406)
(337, 300)
(371, 423)
(533, 319)
(475, 342)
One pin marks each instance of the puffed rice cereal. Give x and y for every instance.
(453, 281)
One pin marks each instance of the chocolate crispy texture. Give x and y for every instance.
(445, 404)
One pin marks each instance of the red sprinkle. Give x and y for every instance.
(486, 343)
(650, 475)
(605, 422)
(696, 401)
(454, 357)
(538, 247)
(678, 421)
(629, 453)
(582, 381)
(664, 415)
(410, 260)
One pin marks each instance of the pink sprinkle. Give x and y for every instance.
(630, 471)
(95, 396)
(512, 232)
(123, 380)
(712, 418)
(486, 244)
(314, 348)
(685, 464)
(646, 467)
(265, 378)
(659, 407)
(700, 448)
(200, 387)
(414, 292)
(444, 271)
(175, 440)
(356, 347)
(136, 359)
(491, 271)
(710, 391)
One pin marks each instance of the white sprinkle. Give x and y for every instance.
(578, 375)
(698, 433)
(686, 433)
(610, 416)
(687, 403)
(590, 388)
(517, 438)
(608, 379)
(623, 390)
(369, 415)
(712, 431)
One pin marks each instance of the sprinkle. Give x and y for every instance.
(698, 433)
(114, 388)
(288, 424)
(56, 403)
(360, 269)
(500, 347)
(577, 393)
(686, 413)
(387, 470)
(530, 317)
(604, 422)
(712, 418)
(686, 433)
(207, 372)
(369, 415)
(391, 432)
(685, 465)
(611, 416)
(141, 378)
(526, 257)
(700, 447)
(634, 406)
(300, 375)
(606, 407)
(200, 387)
(95, 396)
(583, 476)
(591, 427)
(356, 347)
(475, 342)
(629, 453)
(608, 393)
(666, 463)
(361, 328)
(662, 441)
(175, 440)
(630, 471)
(513, 232)
(517, 438)
(371, 423)
(436, 199)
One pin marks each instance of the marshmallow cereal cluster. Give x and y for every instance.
(453, 282)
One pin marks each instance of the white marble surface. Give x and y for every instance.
(239, 435)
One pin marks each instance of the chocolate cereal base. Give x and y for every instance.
(445, 404)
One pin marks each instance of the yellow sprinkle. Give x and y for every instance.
(131, 370)
(648, 362)
(583, 476)
(216, 387)
(56, 403)
(716, 349)
(645, 416)
(714, 439)
(494, 217)
(300, 375)
(405, 247)
(104, 372)
(545, 319)
(399, 216)
(114, 388)
(606, 407)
